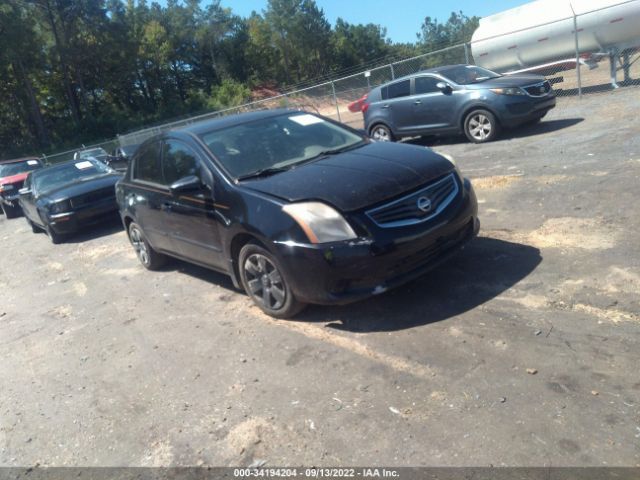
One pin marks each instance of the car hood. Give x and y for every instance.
(358, 178)
(81, 187)
(518, 80)
(14, 178)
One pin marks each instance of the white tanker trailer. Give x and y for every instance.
(542, 35)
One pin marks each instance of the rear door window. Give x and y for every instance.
(425, 85)
(396, 90)
(148, 167)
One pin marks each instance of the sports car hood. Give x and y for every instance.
(82, 186)
(357, 178)
(14, 178)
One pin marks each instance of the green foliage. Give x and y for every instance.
(80, 71)
(228, 94)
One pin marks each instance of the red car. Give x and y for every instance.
(12, 176)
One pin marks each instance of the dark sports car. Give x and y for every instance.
(12, 175)
(62, 198)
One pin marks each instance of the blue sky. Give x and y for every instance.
(401, 18)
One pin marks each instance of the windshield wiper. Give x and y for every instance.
(334, 151)
(263, 172)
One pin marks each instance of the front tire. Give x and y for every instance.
(10, 211)
(54, 236)
(481, 126)
(263, 280)
(149, 258)
(382, 133)
(34, 229)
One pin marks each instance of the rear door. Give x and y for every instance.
(433, 109)
(150, 196)
(195, 229)
(396, 98)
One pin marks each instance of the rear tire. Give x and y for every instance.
(264, 281)
(11, 211)
(481, 126)
(149, 258)
(382, 133)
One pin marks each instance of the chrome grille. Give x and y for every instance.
(98, 195)
(539, 89)
(407, 210)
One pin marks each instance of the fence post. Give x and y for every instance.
(393, 72)
(335, 99)
(575, 32)
(466, 53)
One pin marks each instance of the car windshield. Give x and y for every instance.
(467, 74)
(94, 152)
(14, 168)
(59, 175)
(277, 143)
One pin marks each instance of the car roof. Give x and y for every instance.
(16, 160)
(209, 125)
(419, 72)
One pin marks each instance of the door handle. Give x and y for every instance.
(417, 102)
(166, 207)
(385, 106)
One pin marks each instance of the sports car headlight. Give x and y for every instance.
(320, 222)
(508, 91)
(60, 207)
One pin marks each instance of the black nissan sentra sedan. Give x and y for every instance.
(63, 198)
(294, 207)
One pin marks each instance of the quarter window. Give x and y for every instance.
(426, 85)
(179, 162)
(147, 166)
(398, 89)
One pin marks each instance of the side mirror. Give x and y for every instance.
(444, 87)
(24, 191)
(186, 185)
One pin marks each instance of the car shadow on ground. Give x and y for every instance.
(545, 126)
(110, 225)
(484, 269)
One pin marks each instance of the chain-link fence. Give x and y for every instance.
(567, 48)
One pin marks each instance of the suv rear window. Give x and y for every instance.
(398, 89)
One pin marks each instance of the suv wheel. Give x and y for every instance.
(382, 133)
(481, 126)
(149, 258)
(264, 282)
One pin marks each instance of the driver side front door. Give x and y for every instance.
(193, 218)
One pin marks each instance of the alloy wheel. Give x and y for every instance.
(381, 134)
(139, 245)
(480, 127)
(265, 282)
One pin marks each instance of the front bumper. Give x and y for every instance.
(517, 110)
(71, 222)
(344, 272)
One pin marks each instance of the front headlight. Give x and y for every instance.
(320, 222)
(508, 91)
(60, 207)
(453, 161)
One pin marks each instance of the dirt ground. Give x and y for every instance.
(522, 350)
